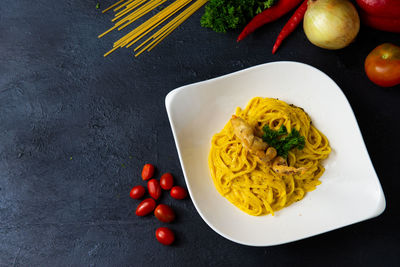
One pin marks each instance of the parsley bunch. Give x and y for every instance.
(282, 141)
(224, 15)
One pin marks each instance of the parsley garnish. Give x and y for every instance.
(283, 141)
(224, 15)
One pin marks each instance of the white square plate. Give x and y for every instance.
(350, 191)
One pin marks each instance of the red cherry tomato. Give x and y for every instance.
(137, 192)
(164, 213)
(382, 65)
(147, 172)
(145, 207)
(178, 192)
(154, 188)
(165, 236)
(166, 181)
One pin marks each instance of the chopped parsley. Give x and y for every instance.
(283, 141)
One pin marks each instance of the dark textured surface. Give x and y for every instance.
(75, 130)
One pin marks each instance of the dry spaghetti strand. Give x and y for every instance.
(129, 39)
(170, 27)
(110, 7)
(131, 10)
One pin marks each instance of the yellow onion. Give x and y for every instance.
(331, 24)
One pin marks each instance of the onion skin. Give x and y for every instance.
(331, 24)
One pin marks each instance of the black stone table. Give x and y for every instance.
(76, 129)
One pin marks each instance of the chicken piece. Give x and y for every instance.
(280, 166)
(261, 149)
(250, 141)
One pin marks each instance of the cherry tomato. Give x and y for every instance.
(137, 192)
(382, 65)
(178, 192)
(147, 172)
(165, 236)
(145, 207)
(164, 213)
(166, 181)
(154, 188)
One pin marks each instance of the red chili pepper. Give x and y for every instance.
(292, 24)
(381, 23)
(268, 15)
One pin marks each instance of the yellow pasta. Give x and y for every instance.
(171, 26)
(114, 5)
(134, 9)
(251, 184)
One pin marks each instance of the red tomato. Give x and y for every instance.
(381, 8)
(145, 207)
(137, 192)
(147, 172)
(165, 236)
(164, 213)
(166, 181)
(178, 192)
(382, 65)
(154, 188)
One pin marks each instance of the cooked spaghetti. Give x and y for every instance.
(253, 184)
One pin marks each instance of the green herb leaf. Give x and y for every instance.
(283, 141)
(224, 15)
(97, 5)
(268, 3)
(282, 130)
